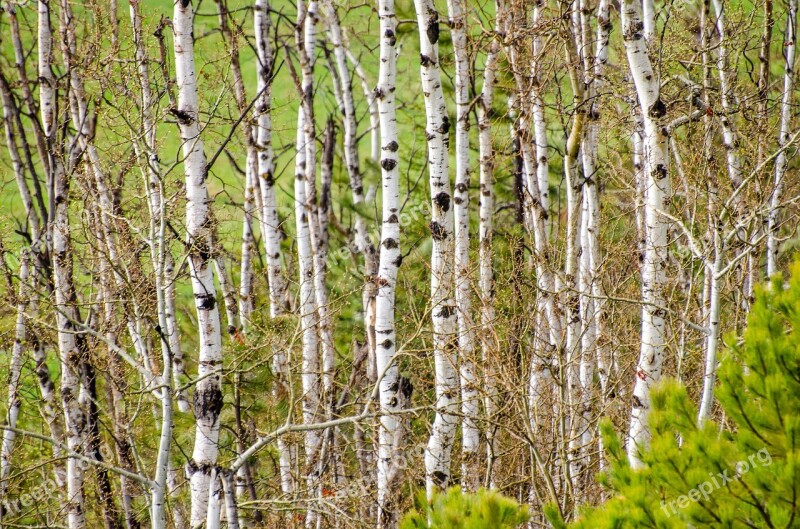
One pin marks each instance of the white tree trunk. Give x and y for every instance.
(654, 263)
(438, 452)
(728, 132)
(14, 373)
(72, 399)
(350, 127)
(199, 230)
(589, 282)
(713, 270)
(489, 340)
(390, 257)
(372, 103)
(782, 161)
(470, 434)
(270, 220)
(311, 365)
(47, 93)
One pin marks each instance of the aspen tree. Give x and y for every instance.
(443, 311)
(199, 231)
(782, 162)
(656, 185)
(390, 257)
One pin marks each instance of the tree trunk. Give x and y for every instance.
(199, 231)
(655, 257)
(782, 161)
(440, 444)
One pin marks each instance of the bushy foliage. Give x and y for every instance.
(455, 510)
(742, 472)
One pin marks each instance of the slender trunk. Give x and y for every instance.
(14, 373)
(72, 400)
(713, 270)
(782, 161)
(655, 257)
(313, 294)
(489, 341)
(470, 434)
(231, 510)
(590, 285)
(199, 231)
(214, 500)
(311, 365)
(372, 104)
(270, 221)
(571, 297)
(390, 257)
(226, 287)
(438, 452)
(245, 306)
(727, 99)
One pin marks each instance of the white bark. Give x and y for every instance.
(47, 84)
(470, 434)
(231, 510)
(730, 141)
(73, 395)
(372, 105)
(713, 270)
(571, 298)
(315, 223)
(245, 306)
(590, 287)
(214, 500)
(14, 374)
(72, 400)
(782, 161)
(313, 292)
(350, 126)
(269, 218)
(311, 365)
(440, 444)
(199, 230)
(541, 164)
(489, 341)
(390, 256)
(657, 188)
(248, 241)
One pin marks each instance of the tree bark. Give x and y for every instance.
(200, 241)
(440, 444)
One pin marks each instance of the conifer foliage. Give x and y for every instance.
(742, 472)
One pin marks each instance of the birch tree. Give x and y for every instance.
(199, 231)
(443, 311)
(390, 257)
(656, 185)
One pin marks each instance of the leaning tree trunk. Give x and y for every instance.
(199, 232)
(440, 445)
